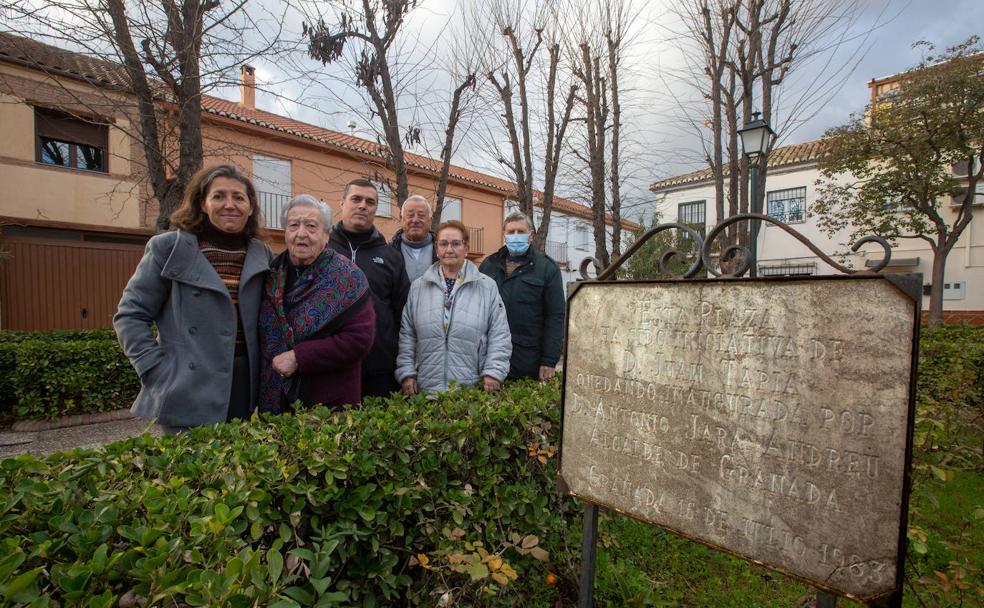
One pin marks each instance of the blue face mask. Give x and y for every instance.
(517, 243)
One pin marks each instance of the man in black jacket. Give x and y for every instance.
(357, 238)
(532, 288)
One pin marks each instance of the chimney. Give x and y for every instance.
(247, 97)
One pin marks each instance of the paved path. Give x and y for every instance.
(44, 442)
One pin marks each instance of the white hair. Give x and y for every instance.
(306, 200)
(417, 198)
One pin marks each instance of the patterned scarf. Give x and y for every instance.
(317, 302)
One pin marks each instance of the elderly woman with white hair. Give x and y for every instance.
(317, 320)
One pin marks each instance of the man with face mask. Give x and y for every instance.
(532, 289)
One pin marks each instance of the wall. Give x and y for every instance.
(323, 172)
(32, 190)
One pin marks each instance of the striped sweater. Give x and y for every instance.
(227, 254)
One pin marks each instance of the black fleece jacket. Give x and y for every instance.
(388, 282)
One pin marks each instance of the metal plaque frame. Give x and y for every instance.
(909, 284)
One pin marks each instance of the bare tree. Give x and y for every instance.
(169, 52)
(749, 48)
(523, 64)
(599, 44)
(375, 26)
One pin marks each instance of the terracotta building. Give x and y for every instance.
(76, 208)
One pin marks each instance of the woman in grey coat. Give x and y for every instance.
(454, 325)
(201, 285)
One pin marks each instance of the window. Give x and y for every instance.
(451, 209)
(581, 237)
(384, 199)
(271, 177)
(788, 205)
(68, 141)
(693, 215)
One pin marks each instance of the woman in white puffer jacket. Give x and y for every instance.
(454, 324)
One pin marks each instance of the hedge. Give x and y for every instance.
(951, 365)
(403, 502)
(44, 375)
(59, 335)
(418, 502)
(43, 379)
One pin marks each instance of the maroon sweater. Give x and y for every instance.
(331, 368)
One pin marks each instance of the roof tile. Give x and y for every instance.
(103, 73)
(794, 154)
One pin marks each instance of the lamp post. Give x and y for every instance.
(755, 138)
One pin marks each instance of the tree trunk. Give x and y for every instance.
(935, 316)
(615, 160)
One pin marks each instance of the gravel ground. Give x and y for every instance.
(45, 442)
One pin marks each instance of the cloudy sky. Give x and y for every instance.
(876, 42)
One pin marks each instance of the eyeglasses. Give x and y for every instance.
(446, 244)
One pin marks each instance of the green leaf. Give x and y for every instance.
(275, 565)
(22, 582)
(300, 595)
(319, 584)
(102, 601)
(477, 571)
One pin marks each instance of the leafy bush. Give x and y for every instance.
(399, 503)
(42, 379)
(951, 365)
(60, 335)
(946, 535)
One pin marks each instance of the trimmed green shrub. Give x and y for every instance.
(58, 335)
(8, 361)
(951, 365)
(45, 379)
(398, 503)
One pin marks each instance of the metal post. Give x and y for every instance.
(826, 600)
(589, 554)
(756, 208)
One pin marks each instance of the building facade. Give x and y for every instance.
(76, 209)
(791, 192)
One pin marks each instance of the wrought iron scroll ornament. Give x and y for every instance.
(703, 247)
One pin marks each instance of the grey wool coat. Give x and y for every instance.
(186, 372)
(477, 342)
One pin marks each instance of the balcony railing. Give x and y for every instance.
(271, 204)
(557, 251)
(476, 240)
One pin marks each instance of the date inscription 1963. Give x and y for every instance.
(768, 419)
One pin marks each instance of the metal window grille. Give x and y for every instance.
(788, 270)
(788, 205)
(694, 215)
(271, 204)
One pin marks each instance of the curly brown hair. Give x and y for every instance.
(191, 217)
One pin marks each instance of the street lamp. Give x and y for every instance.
(755, 138)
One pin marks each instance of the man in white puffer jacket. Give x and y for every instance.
(454, 324)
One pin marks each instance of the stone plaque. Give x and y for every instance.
(768, 419)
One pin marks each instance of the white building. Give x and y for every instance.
(790, 193)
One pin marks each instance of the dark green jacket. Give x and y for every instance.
(535, 306)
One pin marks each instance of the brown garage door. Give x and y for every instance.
(63, 284)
